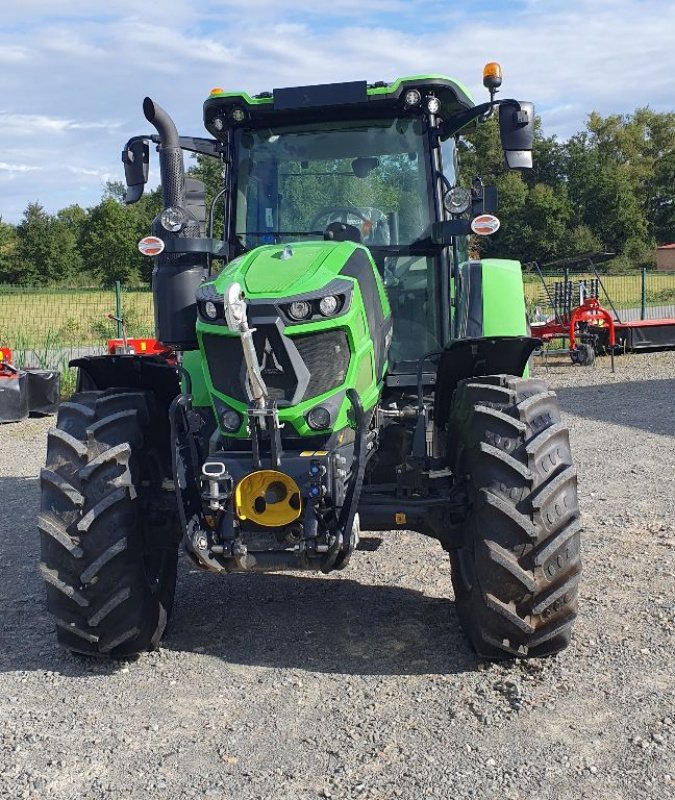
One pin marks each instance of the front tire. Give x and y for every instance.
(517, 572)
(108, 532)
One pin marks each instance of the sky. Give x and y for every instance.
(73, 73)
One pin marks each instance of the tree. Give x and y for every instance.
(8, 247)
(109, 243)
(47, 250)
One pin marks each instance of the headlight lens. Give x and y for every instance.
(329, 305)
(433, 105)
(300, 309)
(210, 309)
(238, 115)
(412, 97)
(318, 418)
(231, 420)
(457, 200)
(173, 219)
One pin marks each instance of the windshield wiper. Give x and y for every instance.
(281, 233)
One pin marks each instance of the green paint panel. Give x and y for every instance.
(270, 272)
(193, 363)
(503, 298)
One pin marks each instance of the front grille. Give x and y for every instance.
(225, 360)
(324, 354)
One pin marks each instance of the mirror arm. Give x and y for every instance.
(195, 144)
(481, 112)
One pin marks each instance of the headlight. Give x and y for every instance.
(299, 310)
(173, 219)
(412, 97)
(329, 305)
(210, 309)
(433, 105)
(231, 420)
(457, 200)
(238, 115)
(318, 418)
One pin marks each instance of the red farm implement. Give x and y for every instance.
(575, 315)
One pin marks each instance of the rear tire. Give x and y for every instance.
(109, 534)
(517, 572)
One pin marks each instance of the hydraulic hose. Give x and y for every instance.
(348, 511)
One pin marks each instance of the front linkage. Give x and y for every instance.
(310, 497)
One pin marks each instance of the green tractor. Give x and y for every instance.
(338, 363)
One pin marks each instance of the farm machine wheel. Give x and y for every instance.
(108, 532)
(516, 574)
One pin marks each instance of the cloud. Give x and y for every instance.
(5, 167)
(75, 74)
(37, 124)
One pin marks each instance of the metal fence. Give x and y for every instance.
(46, 327)
(643, 294)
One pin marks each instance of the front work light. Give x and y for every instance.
(412, 97)
(210, 309)
(231, 420)
(318, 418)
(457, 200)
(299, 310)
(173, 219)
(329, 305)
(433, 105)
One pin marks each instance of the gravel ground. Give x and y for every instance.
(362, 685)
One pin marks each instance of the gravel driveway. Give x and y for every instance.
(362, 685)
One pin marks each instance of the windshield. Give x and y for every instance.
(291, 183)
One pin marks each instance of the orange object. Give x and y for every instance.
(592, 313)
(145, 347)
(492, 75)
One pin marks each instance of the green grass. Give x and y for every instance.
(69, 318)
(44, 327)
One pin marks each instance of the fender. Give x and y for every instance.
(490, 299)
(491, 332)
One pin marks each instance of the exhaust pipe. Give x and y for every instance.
(176, 276)
(171, 166)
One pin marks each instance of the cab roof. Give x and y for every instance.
(224, 110)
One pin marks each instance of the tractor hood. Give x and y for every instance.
(275, 271)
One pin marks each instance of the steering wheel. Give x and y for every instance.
(341, 214)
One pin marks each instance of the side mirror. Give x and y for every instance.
(516, 129)
(136, 158)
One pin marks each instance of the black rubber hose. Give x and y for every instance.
(348, 511)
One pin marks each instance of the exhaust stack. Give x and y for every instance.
(176, 275)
